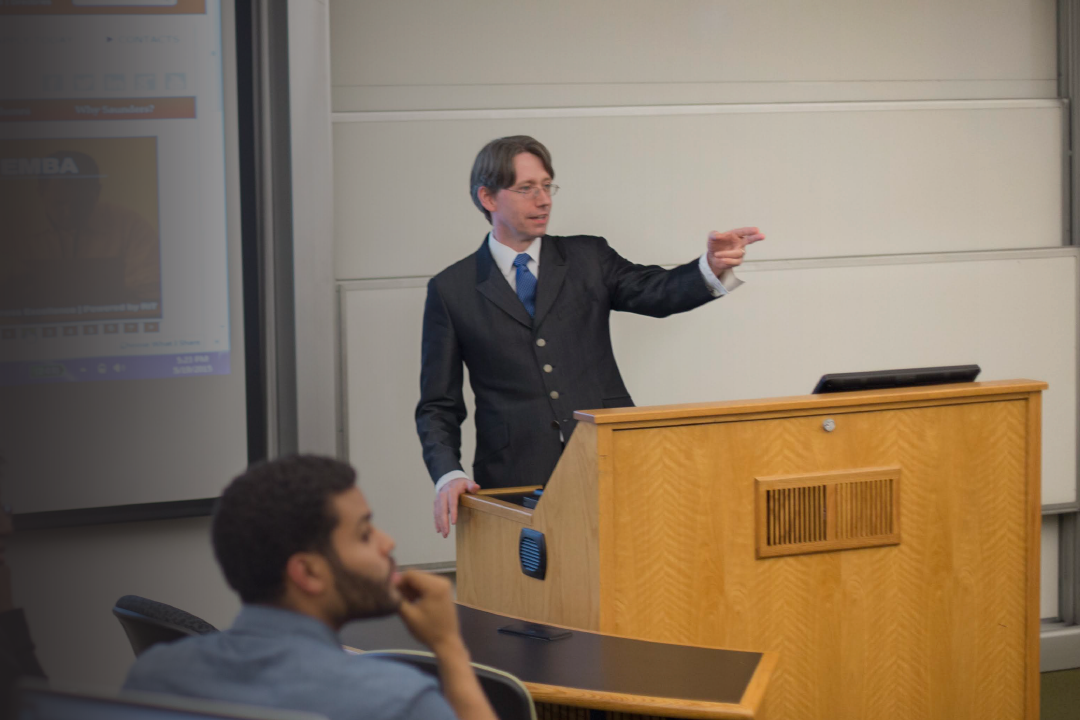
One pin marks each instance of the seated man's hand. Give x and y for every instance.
(726, 249)
(427, 607)
(446, 503)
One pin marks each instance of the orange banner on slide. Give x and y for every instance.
(101, 7)
(169, 108)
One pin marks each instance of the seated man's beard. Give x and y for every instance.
(364, 597)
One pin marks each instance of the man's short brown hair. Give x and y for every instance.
(494, 165)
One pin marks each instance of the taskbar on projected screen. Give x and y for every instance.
(117, 367)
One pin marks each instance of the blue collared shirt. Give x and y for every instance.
(282, 659)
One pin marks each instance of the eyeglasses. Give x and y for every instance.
(533, 191)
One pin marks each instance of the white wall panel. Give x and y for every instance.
(381, 327)
(1014, 315)
(820, 180)
(427, 54)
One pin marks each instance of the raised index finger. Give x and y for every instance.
(749, 234)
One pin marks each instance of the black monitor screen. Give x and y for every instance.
(909, 377)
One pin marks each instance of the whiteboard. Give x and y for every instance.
(824, 180)
(1012, 312)
(389, 55)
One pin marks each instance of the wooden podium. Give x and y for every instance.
(884, 543)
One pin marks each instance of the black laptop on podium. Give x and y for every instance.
(908, 377)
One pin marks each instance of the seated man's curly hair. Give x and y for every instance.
(272, 511)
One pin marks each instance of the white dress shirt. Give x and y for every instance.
(504, 257)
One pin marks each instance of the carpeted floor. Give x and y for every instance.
(1061, 695)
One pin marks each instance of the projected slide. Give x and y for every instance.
(122, 357)
(79, 243)
(113, 249)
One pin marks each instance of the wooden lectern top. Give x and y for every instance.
(857, 398)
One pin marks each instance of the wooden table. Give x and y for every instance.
(594, 672)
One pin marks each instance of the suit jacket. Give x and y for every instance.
(529, 375)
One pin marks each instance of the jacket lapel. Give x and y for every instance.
(552, 274)
(492, 285)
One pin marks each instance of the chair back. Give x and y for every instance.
(505, 692)
(148, 622)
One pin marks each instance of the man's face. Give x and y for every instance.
(517, 217)
(365, 574)
(69, 202)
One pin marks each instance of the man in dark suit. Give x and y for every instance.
(528, 313)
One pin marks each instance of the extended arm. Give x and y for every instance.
(652, 290)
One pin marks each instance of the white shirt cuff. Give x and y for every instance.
(718, 286)
(445, 479)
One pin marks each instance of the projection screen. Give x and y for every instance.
(122, 363)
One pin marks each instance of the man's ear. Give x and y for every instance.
(487, 198)
(308, 572)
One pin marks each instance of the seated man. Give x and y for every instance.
(295, 540)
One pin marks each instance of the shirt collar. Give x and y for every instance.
(272, 621)
(504, 255)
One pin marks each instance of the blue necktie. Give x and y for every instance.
(526, 283)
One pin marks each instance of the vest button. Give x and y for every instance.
(554, 394)
(548, 368)
(541, 342)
